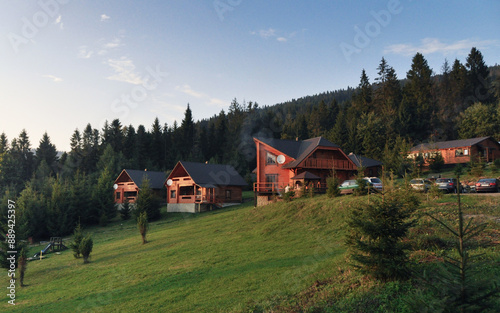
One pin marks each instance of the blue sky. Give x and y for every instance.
(66, 63)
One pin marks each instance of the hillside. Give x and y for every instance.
(286, 256)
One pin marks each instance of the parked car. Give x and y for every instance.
(488, 184)
(420, 184)
(448, 184)
(376, 183)
(348, 186)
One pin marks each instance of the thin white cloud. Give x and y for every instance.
(84, 52)
(54, 78)
(104, 17)
(186, 89)
(189, 91)
(272, 33)
(59, 22)
(434, 45)
(124, 69)
(113, 44)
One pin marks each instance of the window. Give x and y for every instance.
(270, 158)
(459, 152)
(271, 178)
(466, 151)
(228, 194)
(172, 194)
(118, 195)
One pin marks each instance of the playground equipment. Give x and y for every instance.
(55, 244)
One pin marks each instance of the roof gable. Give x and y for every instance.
(156, 179)
(298, 150)
(211, 174)
(450, 144)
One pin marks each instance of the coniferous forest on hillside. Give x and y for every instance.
(381, 118)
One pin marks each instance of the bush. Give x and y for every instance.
(436, 163)
(287, 196)
(86, 246)
(362, 189)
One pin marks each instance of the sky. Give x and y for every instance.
(67, 63)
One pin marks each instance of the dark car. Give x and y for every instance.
(447, 184)
(488, 184)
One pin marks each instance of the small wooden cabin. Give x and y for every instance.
(459, 151)
(195, 187)
(129, 183)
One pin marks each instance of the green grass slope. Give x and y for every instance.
(219, 261)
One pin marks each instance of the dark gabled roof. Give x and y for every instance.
(210, 175)
(362, 161)
(297, 150)
(156, 179)
(306, 175)
(449, 144)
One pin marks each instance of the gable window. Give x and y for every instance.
(270, 158)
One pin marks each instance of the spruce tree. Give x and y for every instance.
(377, 232)
(77, 240)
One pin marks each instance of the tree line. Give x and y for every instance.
(380, 119)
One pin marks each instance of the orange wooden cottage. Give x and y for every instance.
(459, 151)
(129, 182)
(282, 163)
(195, 187)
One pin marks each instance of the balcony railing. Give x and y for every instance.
(280, 187)
(328, 164)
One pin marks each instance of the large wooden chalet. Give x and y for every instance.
(129, 182)
(195, 187)
(296, 164)
(459, 151)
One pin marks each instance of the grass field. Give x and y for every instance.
(283, 256)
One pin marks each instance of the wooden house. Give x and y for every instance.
(195, 187)
(297, 164)
(129, 182)
(459, 151)
(372, 167)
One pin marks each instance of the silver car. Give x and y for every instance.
(420, 184)
(376, 183)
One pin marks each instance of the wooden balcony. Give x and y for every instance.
(328, 164)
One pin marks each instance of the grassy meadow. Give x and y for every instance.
(284, 257)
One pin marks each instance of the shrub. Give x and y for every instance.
(86, 246)
(436, 163)
(287, 196)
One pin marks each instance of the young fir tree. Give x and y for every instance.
(461, 285)
(332, 185)
(22, 265)
(146, 202)
(77, 240)
(86, 246)
(125, 210)
(142, 225)
(377, 232)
